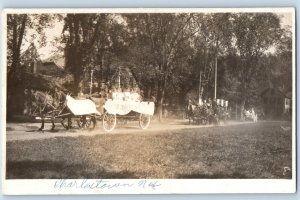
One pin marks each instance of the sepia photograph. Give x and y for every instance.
(148, 94)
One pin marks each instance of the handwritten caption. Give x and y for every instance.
(105, 184)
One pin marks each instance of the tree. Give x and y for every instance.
(213, 41)
(80, 34)
(18, 27)
(254, 34)
(90, 39)
(161, 39)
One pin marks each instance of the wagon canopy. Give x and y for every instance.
(123, 77)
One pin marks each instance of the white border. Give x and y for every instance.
(168, 186)
(146, 10)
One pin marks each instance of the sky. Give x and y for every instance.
(56, 31)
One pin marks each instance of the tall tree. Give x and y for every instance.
(213, 41)
(80, 34)
(16, 25)
(19, 27)
(254, 34)
(91, 40)
(160, 37)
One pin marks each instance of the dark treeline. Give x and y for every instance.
(167, 53)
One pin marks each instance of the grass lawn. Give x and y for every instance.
(260, 150)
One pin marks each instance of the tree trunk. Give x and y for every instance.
(77, 56)
(101, 67)
(181, 96)
(243, 109)
(160, 107)
(17, 42)
(160, 97)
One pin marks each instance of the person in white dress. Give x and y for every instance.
(126, 94)
(135, 96)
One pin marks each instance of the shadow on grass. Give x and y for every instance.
(58, 170)
(235, 175)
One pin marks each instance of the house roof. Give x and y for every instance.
(59, 60)
(30, 53)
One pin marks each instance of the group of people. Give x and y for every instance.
(214, 105)
(116, 93)
(126, 94)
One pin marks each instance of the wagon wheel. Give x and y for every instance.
(86, 122)
(66, 122)
(91, 122)
(109, 122)
(144, 121)
(81, 121)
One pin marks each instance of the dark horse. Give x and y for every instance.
(47, 107)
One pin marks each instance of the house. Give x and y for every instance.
(276, 103)
(32, 62)
(34, 75)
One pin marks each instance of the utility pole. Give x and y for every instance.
(200, 86)
(91, 86)
(119, 78)
(216, 75)
(216, 67)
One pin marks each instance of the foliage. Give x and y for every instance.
(254, 34)
(170, 55)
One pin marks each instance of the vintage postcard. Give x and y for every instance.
(148, 101)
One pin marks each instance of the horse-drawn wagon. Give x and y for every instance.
(47, 108)
(121, 105)
(207, 113)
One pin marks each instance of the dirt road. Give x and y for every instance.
(28, 131)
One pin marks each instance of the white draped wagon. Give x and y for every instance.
(81, 107)
(127, 109)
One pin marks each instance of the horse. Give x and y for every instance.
(203, 114)
(189, 111)
(49, 107)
